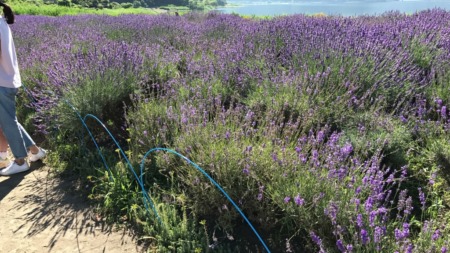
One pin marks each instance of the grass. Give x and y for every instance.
(22, 8)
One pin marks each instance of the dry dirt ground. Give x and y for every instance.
(39, 213)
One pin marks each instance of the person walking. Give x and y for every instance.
(19, 141)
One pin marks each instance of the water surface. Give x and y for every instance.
(342, 8)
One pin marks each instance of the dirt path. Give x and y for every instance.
(39, 213)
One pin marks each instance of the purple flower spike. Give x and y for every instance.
(364, 237)
(346, 150)
(349, 248)
(287, 199)
(403, 119)
(444, 112)
(436, 235)
(340, 245)
(298, 200)
(315, 238)
(260, 197)
(227, 135)
(410, 248)
(422, 198)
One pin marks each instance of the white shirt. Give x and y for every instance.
(9, 67)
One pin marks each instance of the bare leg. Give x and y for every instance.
(33, 149)
(4, 148)
(4, 161)
(3, 142)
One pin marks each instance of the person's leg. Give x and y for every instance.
(9, 124)
(36, 153)
(12, 132)
(17, 137)
(33, 148)
(29, 142)
(4, 161)
(3, 142)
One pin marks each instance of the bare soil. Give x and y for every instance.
(42, 213)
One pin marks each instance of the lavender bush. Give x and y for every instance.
(330, 132)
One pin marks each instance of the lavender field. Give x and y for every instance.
(330, 133)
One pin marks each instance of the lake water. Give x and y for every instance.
(342, 8)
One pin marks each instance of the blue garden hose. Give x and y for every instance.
(139, 179)
(212, 181)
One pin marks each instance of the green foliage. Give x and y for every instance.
(126, 5)
(423, 54)
(101, 95)
(370, 132)
(145, 124)
(58, 10)
(64, 2)
(116, 5)
(176, 232)
(75, 7)
(117, 193)
(431, 163)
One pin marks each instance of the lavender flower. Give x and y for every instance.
(379, 232)
(431, 181)
(227, 135)
(299, 200)
(287, 199)
(246, 169)
(403, 119)
(402, 200)
(274, 157)
(320, 136)
(359, 220)
(340, 245)
(405, 229)
(332, 212)
(260, 196)
(409, 248)
(398, 234)
(444, 112)
(261, 193)
(346, 150)
(364, 237)
(316, 239)
(349, 248)
(402, 234)
(436, 235)
(408, 206)
(422, 198)
(368, 205)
